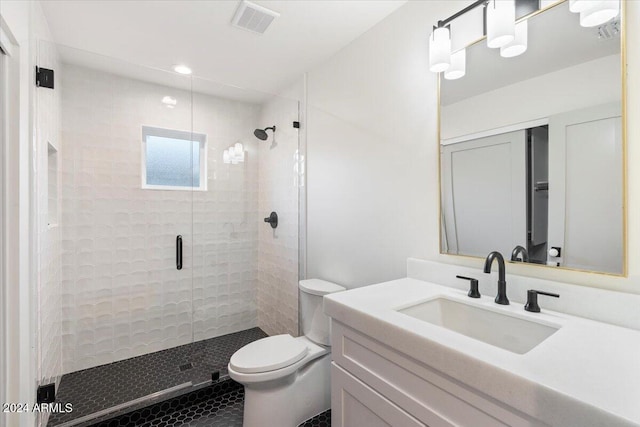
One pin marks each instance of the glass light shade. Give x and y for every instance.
(458, 65)
(238, 147)
(519, 44)
(577, 6)
(501, 22)
(599, 12)
(226, 158)
(439, 50)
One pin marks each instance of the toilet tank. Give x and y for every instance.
(315, 324)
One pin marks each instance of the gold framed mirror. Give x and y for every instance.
(533, 147)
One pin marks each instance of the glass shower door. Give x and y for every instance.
(154, 262)
(116, 169)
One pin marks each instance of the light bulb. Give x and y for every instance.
(458, 65)
(439, 50)
(501, 17)
(599, 12)
(519, 44)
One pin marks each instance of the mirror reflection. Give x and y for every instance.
(532, 148)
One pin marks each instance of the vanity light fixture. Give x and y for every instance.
(501, 33)
(598, 12)
(458, 65)
(519, 44)
(577, 6)
(440, 49)
(501, 22)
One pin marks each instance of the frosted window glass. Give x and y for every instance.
(173, 162)
(173, 159)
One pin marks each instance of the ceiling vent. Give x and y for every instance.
(253, 17)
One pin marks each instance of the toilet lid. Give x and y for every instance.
(319, 287)
(268, 354)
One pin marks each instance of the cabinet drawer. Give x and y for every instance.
(354, 404)
(421, 391)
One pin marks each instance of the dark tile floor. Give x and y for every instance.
(96, 389)
(220, 405)
(320, 420)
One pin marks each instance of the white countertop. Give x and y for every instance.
(585, 374)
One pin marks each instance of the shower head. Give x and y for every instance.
(261, 134)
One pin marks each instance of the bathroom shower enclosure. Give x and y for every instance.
(150, 191)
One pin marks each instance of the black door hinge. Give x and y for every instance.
(44, 77)
(296, 125)
(46, 393)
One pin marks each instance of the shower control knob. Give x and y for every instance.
(272, 219)
(555, 252)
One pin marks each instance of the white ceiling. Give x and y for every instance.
(159, 34)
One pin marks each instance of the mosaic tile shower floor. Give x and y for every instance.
(96, 389)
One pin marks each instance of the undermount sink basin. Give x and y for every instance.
(510, 333)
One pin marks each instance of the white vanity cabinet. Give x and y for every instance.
(356, 404)
(375, 385)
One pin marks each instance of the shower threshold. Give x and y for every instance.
(107, 391)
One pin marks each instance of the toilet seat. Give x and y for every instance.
(268, 354)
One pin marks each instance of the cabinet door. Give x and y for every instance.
(354, 404)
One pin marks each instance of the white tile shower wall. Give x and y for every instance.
(123, 295)
(48, 249)
(225, 221)
(278, 248)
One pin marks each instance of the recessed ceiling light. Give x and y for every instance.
(182, 69)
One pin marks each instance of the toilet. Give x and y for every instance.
(287, 380)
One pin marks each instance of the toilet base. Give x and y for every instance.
(289, 401)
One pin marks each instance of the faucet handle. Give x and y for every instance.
(532, 300)
(473, 290)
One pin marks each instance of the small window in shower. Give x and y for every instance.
(173, 159)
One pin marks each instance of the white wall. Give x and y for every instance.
(277, 295)
(373, 156)
(372, 153)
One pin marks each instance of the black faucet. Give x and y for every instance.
(519, 250)
(501, 298)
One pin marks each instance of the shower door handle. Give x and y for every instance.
(179, 252)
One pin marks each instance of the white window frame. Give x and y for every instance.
(174, 134)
